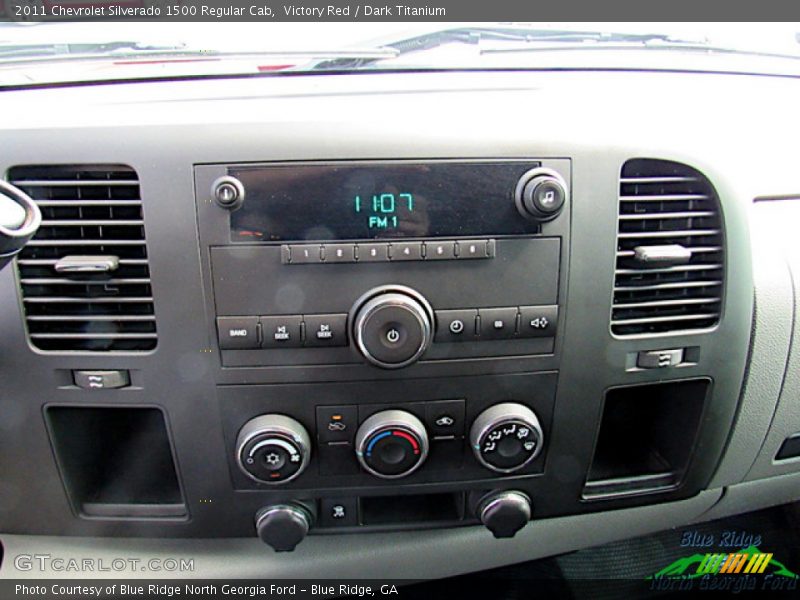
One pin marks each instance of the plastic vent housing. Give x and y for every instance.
(84, 277)
(670, 250)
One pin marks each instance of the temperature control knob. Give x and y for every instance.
(391, 444)
(541, 194)
(392, 326)
(273, 449)
(506, 437)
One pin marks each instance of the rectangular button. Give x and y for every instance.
(325, 330)
(445, 418)
(336, 423)
(472, 249)
(406, 251)
(281, 332)
(659, 359)
(305, 254)
(455, 325)
(338, 512)
(538, 321)
(440, 250)
(339, 253)
(498, 323)
(237, 333)
(101, 380)
(373, 252)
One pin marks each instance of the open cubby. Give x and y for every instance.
(116, 462)
(418, 508)
(646, 437)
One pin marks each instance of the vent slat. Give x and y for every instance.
(92, 336)
(664, 198)
(84, 300)
(672, 215)
(91, 318)
(63, 281)
(664, 204)
(54, 183)
(668, 234)
(92, 223)
(93, 210)
(674, 319)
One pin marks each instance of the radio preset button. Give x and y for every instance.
(325, 330)
(440, 250)
(473, 249)
(339, 253)
(237, 333)
(406, 251)
(373, 252)
(498, 323)
(305, 254)
(281, 332)
(538, 321)
(455, 325)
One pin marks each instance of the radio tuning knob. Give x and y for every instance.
(540, 194)
(506, 437)
(273, 449)
(392, 326)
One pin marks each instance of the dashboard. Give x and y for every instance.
(493, 315)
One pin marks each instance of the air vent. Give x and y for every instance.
(85, 277)
(669, 271)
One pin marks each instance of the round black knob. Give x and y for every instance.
(283, 526)
(505, 513)
(391, 444)
(228, 192)
(392, 326)
(506, 437)
(273, 449)
(541, 194)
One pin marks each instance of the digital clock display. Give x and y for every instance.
(363, 201)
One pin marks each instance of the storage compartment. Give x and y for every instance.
(646, 438)
(417, 509)
(116, 462)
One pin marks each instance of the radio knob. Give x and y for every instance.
(540, 194)
(392, 326)
(391, 444)
(506, 437)
(273, 449)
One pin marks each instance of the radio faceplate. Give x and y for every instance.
(285, 294)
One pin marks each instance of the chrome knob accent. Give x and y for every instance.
(273, 449)
(391, 444)
(392, 326)
(506, 437)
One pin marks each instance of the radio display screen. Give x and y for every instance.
(363, 201)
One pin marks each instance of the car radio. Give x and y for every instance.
(384, 263)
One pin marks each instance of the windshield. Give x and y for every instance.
(34, 53)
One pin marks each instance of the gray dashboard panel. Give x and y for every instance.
(599, 120)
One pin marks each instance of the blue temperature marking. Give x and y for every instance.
(375, 439)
